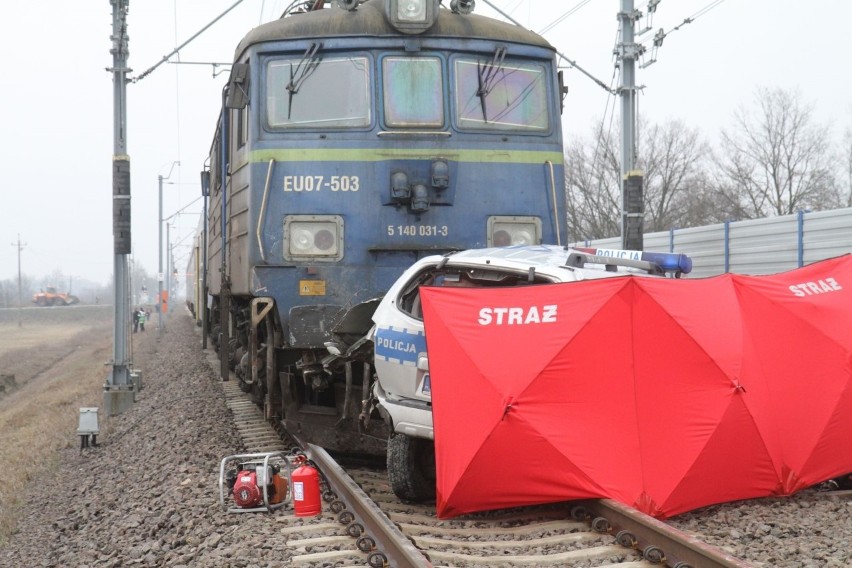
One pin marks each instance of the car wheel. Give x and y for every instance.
(411, 467)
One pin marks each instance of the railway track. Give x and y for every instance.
(364, 524)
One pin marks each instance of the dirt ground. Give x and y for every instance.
(57, 357)
(47, 335)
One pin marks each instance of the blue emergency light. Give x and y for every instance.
(668, 261)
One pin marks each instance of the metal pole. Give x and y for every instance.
(20, 299)
(168, 270)
(628, 86)
(117, 396)
(160, 265)
(160, 180)
(631, 180)
(20, 247)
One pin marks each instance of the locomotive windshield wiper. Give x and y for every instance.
(487, 77)
(299, 74)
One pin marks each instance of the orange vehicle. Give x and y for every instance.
(50, 297)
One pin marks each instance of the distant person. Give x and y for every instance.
(142, 317)
(136, 320)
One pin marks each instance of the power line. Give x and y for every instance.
(569, 61)
(181, 46)
(657, 41)
(560, 19)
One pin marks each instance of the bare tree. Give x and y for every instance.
(9, 291)
(672, 157)
(593, 193)
(55, 279)
(776, 159)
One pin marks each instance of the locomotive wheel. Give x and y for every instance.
(243, 370)
(258, 392)
(411, 467)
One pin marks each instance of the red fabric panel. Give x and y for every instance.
(666, 395)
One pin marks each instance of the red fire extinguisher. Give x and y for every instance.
(306, 490)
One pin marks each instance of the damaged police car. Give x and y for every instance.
(402, 390)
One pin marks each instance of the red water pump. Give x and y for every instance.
(256, 482)
(249, 483)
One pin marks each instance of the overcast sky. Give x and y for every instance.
(57, 142)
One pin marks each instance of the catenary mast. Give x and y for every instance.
(632, 208)
(118, 390)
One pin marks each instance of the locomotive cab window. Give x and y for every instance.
(242, 126)
(317, 92)
(413, 92)
(497, 94)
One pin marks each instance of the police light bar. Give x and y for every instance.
(668, 261)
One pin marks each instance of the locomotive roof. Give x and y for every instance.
(369, 21)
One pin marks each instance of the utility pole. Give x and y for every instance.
(160, 180)
(632, 204)
(118, 390)
(20, 246)
(168, 270)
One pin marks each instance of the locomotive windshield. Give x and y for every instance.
(308, 94)
(414, 91)
(504, 96)
(497, 95)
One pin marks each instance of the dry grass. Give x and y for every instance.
(59, 368)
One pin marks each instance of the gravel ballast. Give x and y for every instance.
(147, 495)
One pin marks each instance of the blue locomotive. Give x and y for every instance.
(353, 141)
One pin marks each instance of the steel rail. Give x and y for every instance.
(658, 542)
(398, 550)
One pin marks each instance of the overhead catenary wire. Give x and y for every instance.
(657, 40)
(571, 62)
(184, 44)
(561, 18)
(177, 96)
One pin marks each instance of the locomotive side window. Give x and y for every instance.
(413, 92)
(501, 95)
(242, 127)
(318, 93)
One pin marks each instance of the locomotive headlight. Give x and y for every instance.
(411, 10)
(313, 237)
(412, 16)
(510, 231)
(302, 241)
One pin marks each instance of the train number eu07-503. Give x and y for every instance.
(318, 183)
(418, 230)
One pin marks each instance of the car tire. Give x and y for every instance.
(411, 467)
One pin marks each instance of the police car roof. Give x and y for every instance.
(546, 259)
